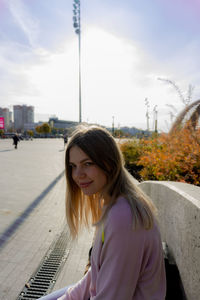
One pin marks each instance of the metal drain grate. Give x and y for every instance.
(46, 275)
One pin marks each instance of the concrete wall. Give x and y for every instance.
(179, 218)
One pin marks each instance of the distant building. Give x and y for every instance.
(7, 115)
(23, 117)
(56, 123)
(29, 126)
(18, 117)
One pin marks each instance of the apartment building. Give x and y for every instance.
(23, 117)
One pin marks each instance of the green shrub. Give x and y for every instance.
(131, 152)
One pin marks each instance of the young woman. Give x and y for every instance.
(127, 259)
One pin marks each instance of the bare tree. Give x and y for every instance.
(190, 106)
(172, 112)
(193, 118)
(185, 100)
(188, 99)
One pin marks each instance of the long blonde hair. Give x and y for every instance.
(103, 150)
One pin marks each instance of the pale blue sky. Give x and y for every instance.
(126, 46)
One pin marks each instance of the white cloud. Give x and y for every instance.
(24, 20)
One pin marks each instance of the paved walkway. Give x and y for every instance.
(32, 214)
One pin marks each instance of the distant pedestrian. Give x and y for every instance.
(65, 137)
(15, 140)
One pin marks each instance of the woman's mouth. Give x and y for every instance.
(84, 184)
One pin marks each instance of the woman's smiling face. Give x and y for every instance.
(86, 174)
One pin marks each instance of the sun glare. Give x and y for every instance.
(107, 76)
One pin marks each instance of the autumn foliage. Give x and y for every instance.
(174, 156)
(132, 151)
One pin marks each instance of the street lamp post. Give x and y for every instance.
(156, 118)
(77, 27)
(113, 125)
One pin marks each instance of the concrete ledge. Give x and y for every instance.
(179, 218)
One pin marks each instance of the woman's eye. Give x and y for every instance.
(88, 163)
(72, 166)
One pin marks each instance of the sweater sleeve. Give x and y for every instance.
(125, 260)
(80, 291)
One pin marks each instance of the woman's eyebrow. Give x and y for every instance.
(82, 161)
(85, 159)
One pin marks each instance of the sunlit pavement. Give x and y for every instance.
(32, 213)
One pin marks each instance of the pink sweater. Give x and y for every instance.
(128, 266)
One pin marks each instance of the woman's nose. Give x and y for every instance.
(79, 172)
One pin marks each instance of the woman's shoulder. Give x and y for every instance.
(120, 215)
